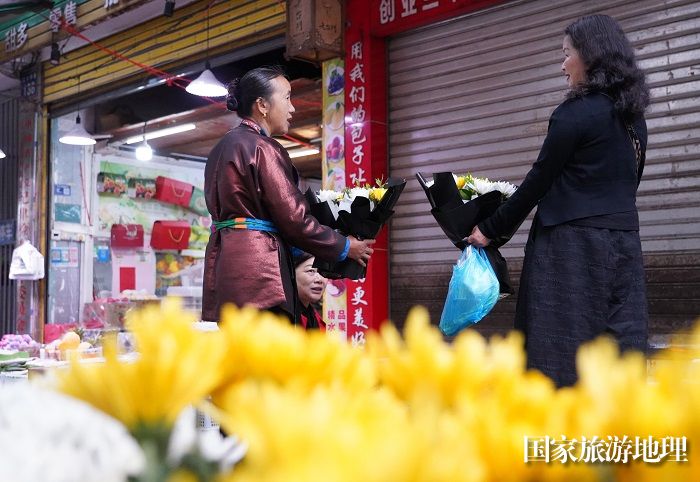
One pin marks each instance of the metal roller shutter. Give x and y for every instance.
(475, 94)
(9, 183)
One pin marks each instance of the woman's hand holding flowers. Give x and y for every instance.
(477, 238)
(360, 251)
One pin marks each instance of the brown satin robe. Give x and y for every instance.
(250, 175)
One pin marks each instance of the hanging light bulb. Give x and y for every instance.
(144, 152)
(206, 85)
(2, 154)
(77, 136)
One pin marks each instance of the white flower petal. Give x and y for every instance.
(482, 186)
(327, 195)
(359, 191)
(184, 435)
(506, 188)
(51, 437)
(345, 204)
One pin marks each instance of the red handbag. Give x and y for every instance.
(127, 236)
(172, 191)
(170, 235)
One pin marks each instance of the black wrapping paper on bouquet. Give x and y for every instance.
(363, 223)
(320, 209)
(457, 219)
(384, 209)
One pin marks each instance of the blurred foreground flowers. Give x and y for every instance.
(410, 408)
(47, 436)
(176, 366)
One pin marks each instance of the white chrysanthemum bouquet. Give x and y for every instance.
(360, 211)
(342, 200)
(460, 202)
(471, 187)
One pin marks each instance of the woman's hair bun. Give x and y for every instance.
(232, 100)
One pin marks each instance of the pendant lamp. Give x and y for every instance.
(144, 152)
(207, 85)
(77, 136)
(2, 154)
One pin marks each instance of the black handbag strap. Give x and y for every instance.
(639, 153)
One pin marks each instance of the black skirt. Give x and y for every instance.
(578, 283)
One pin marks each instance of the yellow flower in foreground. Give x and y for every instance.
(328, 434)
(405, 409)
(615, 398)
(177, 365)
(183, 476)
(474, 400)
(377, 193)
(263, 346)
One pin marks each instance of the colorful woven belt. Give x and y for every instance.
(246, 223)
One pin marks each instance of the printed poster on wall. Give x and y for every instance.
(333, 177)
(333, 153)
(136, 205)
(124, 209)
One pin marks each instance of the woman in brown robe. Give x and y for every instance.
(251, 189)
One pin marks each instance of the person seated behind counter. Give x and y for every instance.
(310, 288)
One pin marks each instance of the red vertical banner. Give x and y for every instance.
(365, 158)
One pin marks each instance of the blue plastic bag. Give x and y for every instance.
(473, 291)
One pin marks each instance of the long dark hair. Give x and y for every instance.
(256, 83)
(610, 64)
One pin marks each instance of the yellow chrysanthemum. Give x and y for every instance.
(177, 365)
(377, 193)
(265, 347)
(330, 433)
(461, 181)
(406, 408)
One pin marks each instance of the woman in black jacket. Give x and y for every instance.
(582, 273)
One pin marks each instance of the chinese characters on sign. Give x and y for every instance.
(29, 78)
(357, 173)
(314, 29)
(391, 17)
(356, 95)
(406, 8)
(38, 27)
(611, 449)
(69, 15)
(16, 37)
(357, 305)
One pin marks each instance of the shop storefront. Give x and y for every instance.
(28, 32)
(124, 231)
(471, 86)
